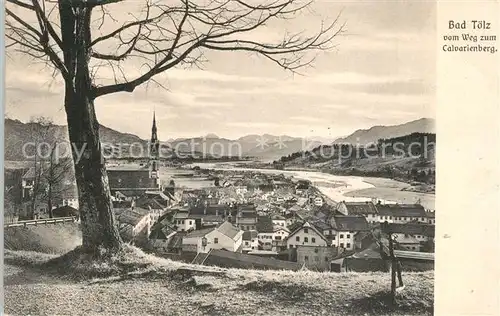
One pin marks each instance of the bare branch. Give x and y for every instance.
(174, 35)
(165, 35)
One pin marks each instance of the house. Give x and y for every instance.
(407, 242)
(301, 188)
(241, 189)
(368, 260)
(366, 209)
(247, 218)
(225, 236)
(279, 220)
(183, 221)
(134, 224)
(250, 241)
(131, 183)
(318, 201)
(344, 229)
(402, 213)
(160, 238)
(65, 211)
(28, 183)
(412, 236)
(155, 204)
(431, 217)
(211, 214)
(306, 234)
(292, 218)
(271, 237)
(316, 258)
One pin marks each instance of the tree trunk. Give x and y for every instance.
(97, 220)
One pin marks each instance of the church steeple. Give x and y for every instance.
(154, 136)
(154, 151)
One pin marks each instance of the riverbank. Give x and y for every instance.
(347, 188)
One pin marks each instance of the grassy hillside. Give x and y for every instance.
(408, 158)
(139, 284)
(55, 238)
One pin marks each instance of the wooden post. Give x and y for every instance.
(393, 268)
(400, 277)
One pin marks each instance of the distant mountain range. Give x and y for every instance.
(365, 136)
(264, 147)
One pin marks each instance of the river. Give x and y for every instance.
(345, 188)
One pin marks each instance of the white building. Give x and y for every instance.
(241, 189)
(318, 201)
(306, 235)
(366, 209)
(402, 213)
(134, 224)
(250, 241)
(272, 238)
(344, 230)
(184, 222)
(226, 236)
(279, 220)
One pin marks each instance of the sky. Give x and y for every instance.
(382, 72)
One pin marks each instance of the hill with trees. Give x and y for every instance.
(408, 158)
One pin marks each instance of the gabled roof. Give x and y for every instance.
(309, 226)
(138, 179)
(410, 229)
(30, 174)
(360, 208)
(229, 230)
(130, 216)
(277, 228)
(225, 228)
(401, 210)
(350, 223)
(321, 225)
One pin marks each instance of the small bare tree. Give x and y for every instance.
(52, 172)
(40, 129)
(58, 177)
(163, 35)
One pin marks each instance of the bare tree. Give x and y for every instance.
(58, 177)
(52, 172)
(40, 129)
(162, 35)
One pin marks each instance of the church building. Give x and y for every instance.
(132, 182)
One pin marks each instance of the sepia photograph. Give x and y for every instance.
(220, 157)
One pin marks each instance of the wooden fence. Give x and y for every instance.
(43, 221)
